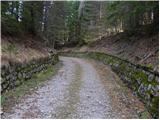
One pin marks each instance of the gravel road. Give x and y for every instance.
(81, 89)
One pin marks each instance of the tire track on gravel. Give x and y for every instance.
(94, 102)
(77, 91)
(69, 109)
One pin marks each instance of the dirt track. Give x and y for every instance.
(81, 89)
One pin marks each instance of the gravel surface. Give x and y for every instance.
(77, 91)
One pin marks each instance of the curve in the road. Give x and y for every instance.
(77, 91)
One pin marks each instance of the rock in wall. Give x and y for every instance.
(16, 73)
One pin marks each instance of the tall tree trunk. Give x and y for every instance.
(32, 18)
(17, 10)
(156, 15)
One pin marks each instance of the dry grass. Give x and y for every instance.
(134, 48)
(15, 49)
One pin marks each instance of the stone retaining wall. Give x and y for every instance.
(142, 80)
(16, 73)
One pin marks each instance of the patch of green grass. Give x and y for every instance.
(144, 115)
(37, 80)
(149, 66)
(11, 48)
(2, 98)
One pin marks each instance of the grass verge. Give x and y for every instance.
(11, 97)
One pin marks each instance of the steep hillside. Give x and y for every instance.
(21, 49)
(139, 49)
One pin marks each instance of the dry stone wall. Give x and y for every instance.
(16, 73)
(142, 80)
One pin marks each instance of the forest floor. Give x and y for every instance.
(80, 89)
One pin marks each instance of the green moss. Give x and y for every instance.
(144, 115)
(154, 82)
(110, 61)
(142, 76)
(155, 107)
(140, 96)
(2, 99)
(134, 85)
(149, 66)
(122, 67)
(149, 92)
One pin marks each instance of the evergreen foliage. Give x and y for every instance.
(70, 23)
